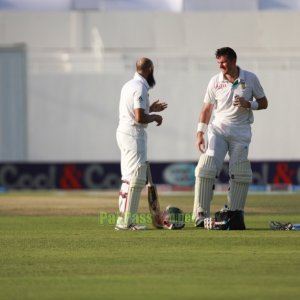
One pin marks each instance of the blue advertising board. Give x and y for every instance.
(93, 175)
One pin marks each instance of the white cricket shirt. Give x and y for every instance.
(134, 94)
(221, 92)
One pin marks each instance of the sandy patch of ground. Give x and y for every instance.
(60, 203)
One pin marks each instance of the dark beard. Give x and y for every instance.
(151, 80)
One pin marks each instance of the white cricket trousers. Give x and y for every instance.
(132, 142)
(231, 139)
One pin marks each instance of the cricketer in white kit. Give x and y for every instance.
(226, 118)
(135, 113)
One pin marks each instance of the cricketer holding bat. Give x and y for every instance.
(232, 95)
(135, 113)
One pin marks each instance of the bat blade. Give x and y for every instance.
(153, 203)
(154, 207)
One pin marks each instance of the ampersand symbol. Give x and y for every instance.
(71, 178)
(284, 174)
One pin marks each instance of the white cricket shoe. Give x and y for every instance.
(199, 222)
(130, 227)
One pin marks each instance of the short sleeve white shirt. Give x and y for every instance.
(134, 94)
(221, 93)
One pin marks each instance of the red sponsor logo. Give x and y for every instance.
(71, 177)
(284, 174)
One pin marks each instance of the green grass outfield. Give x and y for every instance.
(52, 254)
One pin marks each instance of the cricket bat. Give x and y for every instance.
(153, 202)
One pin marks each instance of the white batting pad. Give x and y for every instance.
(205, 175)
(240, 178)
(136, 185)
(123, 196)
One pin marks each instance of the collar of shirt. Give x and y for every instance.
(240, 79)
(139, 77)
